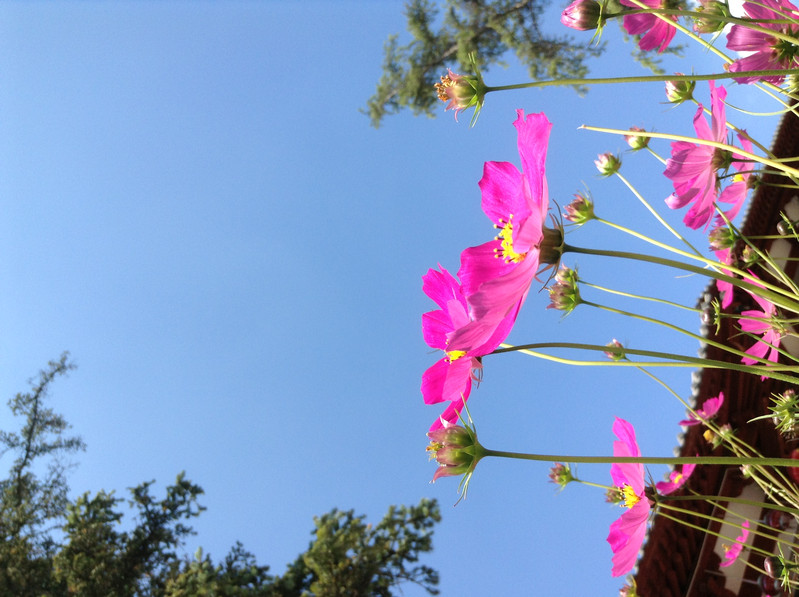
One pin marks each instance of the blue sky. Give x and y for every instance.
(196, 209)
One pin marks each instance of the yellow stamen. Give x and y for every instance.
(441, 88)
(508, 254)
(454, 355)
(630, 497)
(738, 177)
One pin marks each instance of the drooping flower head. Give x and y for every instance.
(497, 275)
(731, 552)
(677, 479)
(655, 32)
(766, 51)
(462, 92)
(707, 412)
(450, 378)
(628, 532)
(457, 452)
(693, 168)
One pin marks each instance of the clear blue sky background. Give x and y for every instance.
(194, 207)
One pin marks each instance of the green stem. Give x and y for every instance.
(657, 216)
(777, 298)
(639, 296)
(672, 360)
(726, 460)
(645, 79)
(724, 146)
(708, 341)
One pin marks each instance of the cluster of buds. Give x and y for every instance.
(678, 92)
(564, 294)
(607, 164)
(580, 210)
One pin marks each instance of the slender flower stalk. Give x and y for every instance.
(668, 359)
(792, 172)
(778, 296)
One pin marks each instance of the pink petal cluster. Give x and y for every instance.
(628, 532)
(762, 322)
(497, 275)
(766, 51)
(656, 32)
(693, 168)
(676, 479)
(450, 378)
(726, 289)
(708, 411)
(732, 552)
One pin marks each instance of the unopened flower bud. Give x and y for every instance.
(615, 350)
(580, 210)
(749, 258)
(456, 450)
(721, 238)
(714, 15)
(561, 475)
(787, 227)
(564, 294)
(636, 142)
(582, 15)
(679, 91)
(607, 164)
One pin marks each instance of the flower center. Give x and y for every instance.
(630, 497)
(506, 251)
(454, 355)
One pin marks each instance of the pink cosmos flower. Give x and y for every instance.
(656, 32)
(692, 168)
(768, 52)
(731, 552)
(450, 379)
(708, 411)
(497, 275)
(676, 480)
(765, 323)
(726, 289)
(628, 532)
